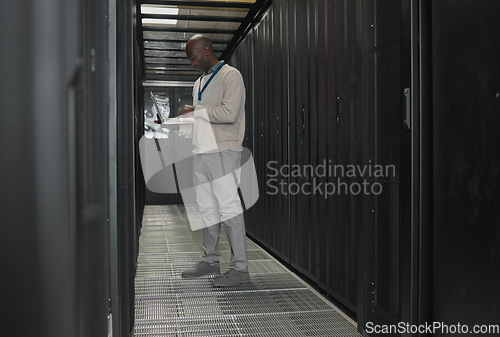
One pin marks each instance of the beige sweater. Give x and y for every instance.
(224, 101)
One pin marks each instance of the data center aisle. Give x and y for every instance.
(274, 303)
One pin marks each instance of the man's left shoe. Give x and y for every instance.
(232, 277)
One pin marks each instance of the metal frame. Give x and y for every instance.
(164, 49)
(175, 84)
(151, 66)
(216, 51)
(288, 126)
(412, 314)
(166, 57)
(160, 77)
(214, 4)
(189, 30)
(167, 64)
(140, 39)
(193, 18)
(175, 66)
(184, 41)
(113, 188)
(135, 173)
(417, 296)
(255, 11)
(424, 305)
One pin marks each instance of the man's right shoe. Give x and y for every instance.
(201, 269)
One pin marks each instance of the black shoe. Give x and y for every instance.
(201, 269)
(232, 277)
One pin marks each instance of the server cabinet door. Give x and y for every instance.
(261, 92)
(278, 121)
(271, 119)
(242, 59)
(329, 245)
(382, 228)
(303, 118)
(344, 29)
(323, 231)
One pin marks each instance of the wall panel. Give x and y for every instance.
(466, 120)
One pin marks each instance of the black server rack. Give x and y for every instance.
(64, 183)
(329, 80)
(382, 226)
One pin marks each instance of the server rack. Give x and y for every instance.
(329, 78)
(62, 55)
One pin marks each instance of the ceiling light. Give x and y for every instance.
(150, 9)
(160, 21)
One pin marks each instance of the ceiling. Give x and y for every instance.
(164, 26)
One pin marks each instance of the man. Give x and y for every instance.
(218, 98)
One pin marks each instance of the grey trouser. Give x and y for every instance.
(216, 179)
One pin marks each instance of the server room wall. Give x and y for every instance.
(466, 82)
(322, 84)
(56, 238)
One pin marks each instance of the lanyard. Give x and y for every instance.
(200, 91)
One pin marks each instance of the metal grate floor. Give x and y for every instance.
(273, 303)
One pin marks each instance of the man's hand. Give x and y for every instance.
(186, 111)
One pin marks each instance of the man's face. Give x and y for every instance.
(196, 55)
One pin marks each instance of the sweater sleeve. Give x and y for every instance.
(194, 90)
(233, 98)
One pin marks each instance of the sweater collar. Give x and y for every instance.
(211, 70)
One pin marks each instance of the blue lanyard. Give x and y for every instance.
(200, 91)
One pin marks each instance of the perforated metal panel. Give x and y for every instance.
(273, 303)
(382, 226)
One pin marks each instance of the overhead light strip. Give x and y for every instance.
(159, 21)
(159, 10)
(150, 9)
